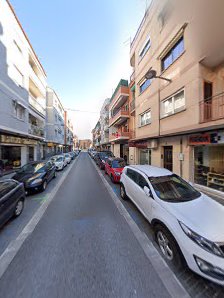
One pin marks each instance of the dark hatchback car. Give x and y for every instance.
(36, 175)
(12, 198)
(101, 158)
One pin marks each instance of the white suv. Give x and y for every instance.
(188, 225)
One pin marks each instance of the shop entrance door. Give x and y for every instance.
(31, 154)
(168, 158)
(121, 150)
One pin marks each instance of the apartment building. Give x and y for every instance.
(104, 125)
(179, 90)
(22, 95)
(68, 133)
(120, 120)
(55, 123)
(96, 135)
(85, 144)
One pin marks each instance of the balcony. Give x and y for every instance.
(120, 95)
(121, 116)
(132, 106)
(119, 136)
(212, 108)
(36, 105)
(36, 130)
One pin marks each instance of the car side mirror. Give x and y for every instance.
(147, 191)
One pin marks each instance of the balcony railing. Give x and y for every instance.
(36, 105)
(36, 130)
(119, 114)
(212, 109)
(120, 135)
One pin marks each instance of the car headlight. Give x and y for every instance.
(206, 244)
(38, 180)
(117, 173)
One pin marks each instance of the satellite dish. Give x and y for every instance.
(150, 74)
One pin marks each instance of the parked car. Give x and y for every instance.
(36, 175)
(12, 198)
(93, 153)
(67, 158)
(188, 225)
(114, 168)
(101, 157)
(60, 162)
(71, 155)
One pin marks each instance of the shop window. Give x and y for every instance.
(173, 104)
(10, 158)
(145, 157)
(209, 166)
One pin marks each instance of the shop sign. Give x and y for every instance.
(50, 144)
(200, 139)
(139, 145)
(16, 140)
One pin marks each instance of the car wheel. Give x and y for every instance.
(123, 193)
(112, 178)
(55, 174)
(19, 208)
(44, 185)
(168, 246)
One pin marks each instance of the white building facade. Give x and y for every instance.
(22, 95)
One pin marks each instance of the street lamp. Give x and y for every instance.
(151, 74)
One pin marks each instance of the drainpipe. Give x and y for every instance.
(181, 160)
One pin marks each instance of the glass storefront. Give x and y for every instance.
(145, 156)
(10, 158)
(209, 166)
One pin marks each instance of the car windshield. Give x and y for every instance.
(59, 159)
(67, 155)
(174, 189)
(33, 168)
(118, 164)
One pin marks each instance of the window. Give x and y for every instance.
(132, 175)
(145, 48)
(145, 85)
(16, 75)
(145, 118)
(19, 111)
(173, 54)
(173, 104)
(6, 187)
(17, 46)
(141, 181)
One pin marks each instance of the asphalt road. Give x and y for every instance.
(82, 247)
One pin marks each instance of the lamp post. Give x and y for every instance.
(151, 74)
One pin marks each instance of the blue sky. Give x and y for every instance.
(84, 48)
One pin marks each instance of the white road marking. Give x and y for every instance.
(167, 276)
(14, 246)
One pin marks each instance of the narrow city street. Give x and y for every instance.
(82, 247)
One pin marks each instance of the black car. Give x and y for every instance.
(101, 157)
(12, 198)
(36, 175)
